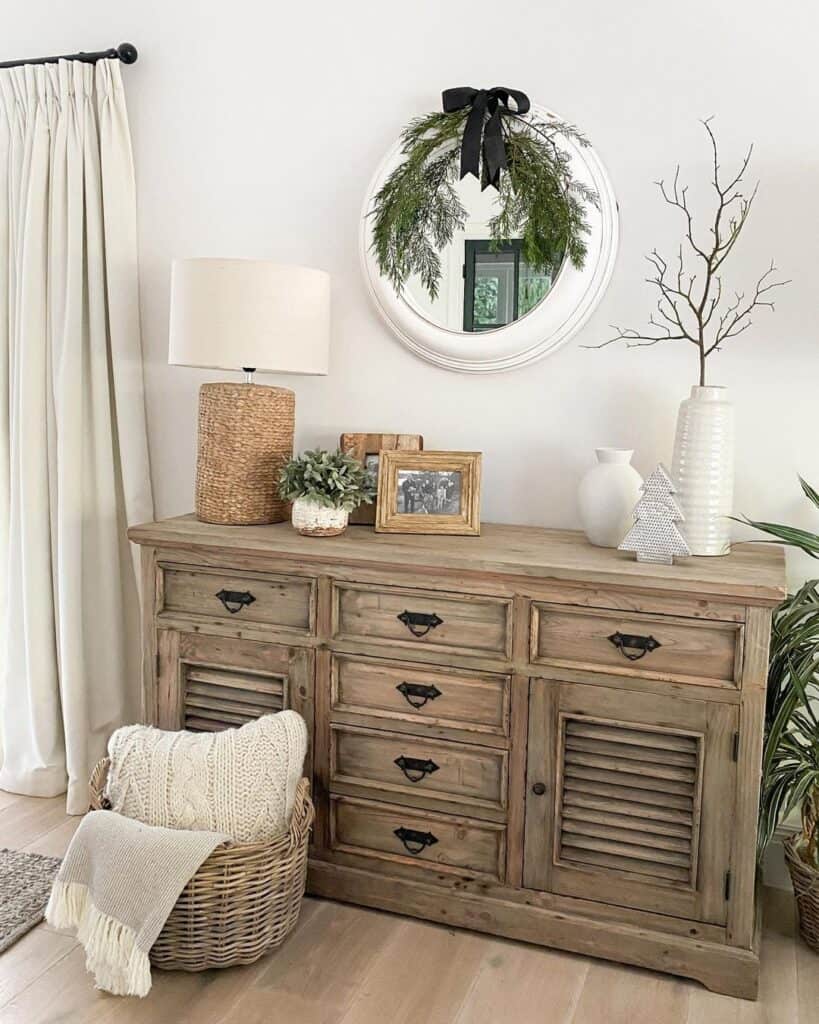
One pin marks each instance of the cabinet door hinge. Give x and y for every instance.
(727, 886)
(156, 663)
(735, 747)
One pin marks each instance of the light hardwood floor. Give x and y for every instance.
(346, 965)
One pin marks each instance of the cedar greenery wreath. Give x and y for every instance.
(418, 209)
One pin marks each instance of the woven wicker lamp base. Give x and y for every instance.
(245, 437)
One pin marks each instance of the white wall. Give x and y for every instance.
(256, 128)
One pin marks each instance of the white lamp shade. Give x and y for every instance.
(227, 314)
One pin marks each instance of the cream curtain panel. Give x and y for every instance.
(73, 451)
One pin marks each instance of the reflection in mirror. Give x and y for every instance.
(484, 284)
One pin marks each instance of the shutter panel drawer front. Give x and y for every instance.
(282, 601)
(209, 683)
(432, 769)
(630, 800)
(643, 788)
(217, 698)
(474, 701)
(659, 647)
(427, 839)
(423, 618)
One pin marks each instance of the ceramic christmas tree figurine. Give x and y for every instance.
(655, 536)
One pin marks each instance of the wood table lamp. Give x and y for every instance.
(251, 315)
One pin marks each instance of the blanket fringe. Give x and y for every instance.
(111, 952)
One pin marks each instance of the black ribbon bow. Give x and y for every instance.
(481, 133)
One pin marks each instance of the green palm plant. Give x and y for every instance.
(790, 767)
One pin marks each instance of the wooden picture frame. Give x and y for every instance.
(433, 505)
(364, 446)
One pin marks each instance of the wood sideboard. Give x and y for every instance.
(517, 733)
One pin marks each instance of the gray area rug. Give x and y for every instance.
(25, 885)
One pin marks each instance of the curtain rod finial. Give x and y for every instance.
(127, 53)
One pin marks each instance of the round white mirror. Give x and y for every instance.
(484, 307)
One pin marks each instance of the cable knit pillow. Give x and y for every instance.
(239, 781)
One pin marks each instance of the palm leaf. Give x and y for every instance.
(809, 491)
(790, 535)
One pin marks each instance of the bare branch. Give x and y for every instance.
(736, 317)
(691, 305)
(630, 335)
(644, 344)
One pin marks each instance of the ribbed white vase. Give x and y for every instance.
(703, 469)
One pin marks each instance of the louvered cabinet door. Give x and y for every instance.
(208, 683)
(630, 798)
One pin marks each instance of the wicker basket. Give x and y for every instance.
(242, 902)
(806, 887)
(245, 438)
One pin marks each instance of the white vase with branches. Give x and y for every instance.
(694, 306)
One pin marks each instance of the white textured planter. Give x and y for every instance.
(703, 469)
(607, 495)
(314, 520)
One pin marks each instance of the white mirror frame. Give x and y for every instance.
(569, 304)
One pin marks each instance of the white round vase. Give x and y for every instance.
(607, 495)
(703, 469)
(314, 520)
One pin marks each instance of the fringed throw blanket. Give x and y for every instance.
(117, 885)
(175, 796)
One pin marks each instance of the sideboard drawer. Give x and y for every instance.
(435, 769)
(639, 645)
(429, 839)
(283, 601)
(415, 618)
(474, 701)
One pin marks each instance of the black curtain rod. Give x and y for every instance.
(126, 52)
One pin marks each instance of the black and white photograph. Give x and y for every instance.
(429, 492)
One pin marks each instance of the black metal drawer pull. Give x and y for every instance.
(415, 768)
(419, 623)
(235, 600)
(414, 842)
(417, 694)
(634, 647)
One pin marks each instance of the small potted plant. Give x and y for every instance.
(790, 767)
(324, 488)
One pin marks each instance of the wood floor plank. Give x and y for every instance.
(176, 997)
(314, 976)
(25, 820)
(7, 799)
(712, 1008)
(628, 995)
(55, 842)
(807, 983)
(424, 973)
(516, 983)
(31, 957)
(777, 979)
(63, 994)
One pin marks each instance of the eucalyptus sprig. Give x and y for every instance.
(418, 209)
(333, 479)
